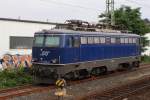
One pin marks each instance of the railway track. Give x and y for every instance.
(22, 90)
(123, 92)
(29, 89)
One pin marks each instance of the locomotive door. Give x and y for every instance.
(74, 44)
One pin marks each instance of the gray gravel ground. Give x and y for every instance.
(87, 88)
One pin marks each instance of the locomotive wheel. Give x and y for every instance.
(120, 67)
(99, 71)
(129, 66)
(136, 64)
(77, 74)
(126, 66)
(83, 73)
(70, 76)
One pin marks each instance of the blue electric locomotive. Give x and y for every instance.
(61, 53)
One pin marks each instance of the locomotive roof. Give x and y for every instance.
(63, 31)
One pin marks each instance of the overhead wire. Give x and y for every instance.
(86, 9)
(69, 4)
(140, 4)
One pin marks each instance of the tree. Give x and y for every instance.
(130, 19)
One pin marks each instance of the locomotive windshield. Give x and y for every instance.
(51, 41)
(46, 41)
(38, 41)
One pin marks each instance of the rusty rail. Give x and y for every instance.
(120, 93)
(22, 90)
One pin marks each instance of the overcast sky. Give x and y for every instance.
(60, 10)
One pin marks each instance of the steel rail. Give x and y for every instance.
(130, 92)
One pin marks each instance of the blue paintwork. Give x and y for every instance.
(86, 52)
(96, 52)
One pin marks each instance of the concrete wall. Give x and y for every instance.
(12, 28)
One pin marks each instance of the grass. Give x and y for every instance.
(14, 77)
(145, 59)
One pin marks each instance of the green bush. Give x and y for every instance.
(14, 77)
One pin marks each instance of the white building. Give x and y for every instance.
(16, 34)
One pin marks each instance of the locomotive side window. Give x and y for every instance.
(76, 42)
(96, 40)
(102, 40)
(113, 40)
(126, 40)
(38, 41)
(134, 40)
(137, 41)
(90, 40)
(108, 40)
(51, 41)
(130, 40)
(122, 40)
(118, 40)
(70, 42)
(83, 40)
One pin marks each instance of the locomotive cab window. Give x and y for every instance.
(38, 41)
(52, 41)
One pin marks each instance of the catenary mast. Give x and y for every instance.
(110, 12)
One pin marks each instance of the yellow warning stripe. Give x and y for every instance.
(61, 83)
(57, 82)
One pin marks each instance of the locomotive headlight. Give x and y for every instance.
(54, 61)
(34, 59)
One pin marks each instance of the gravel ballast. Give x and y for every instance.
(77, 91)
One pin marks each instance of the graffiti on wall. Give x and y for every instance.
(14, 61)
